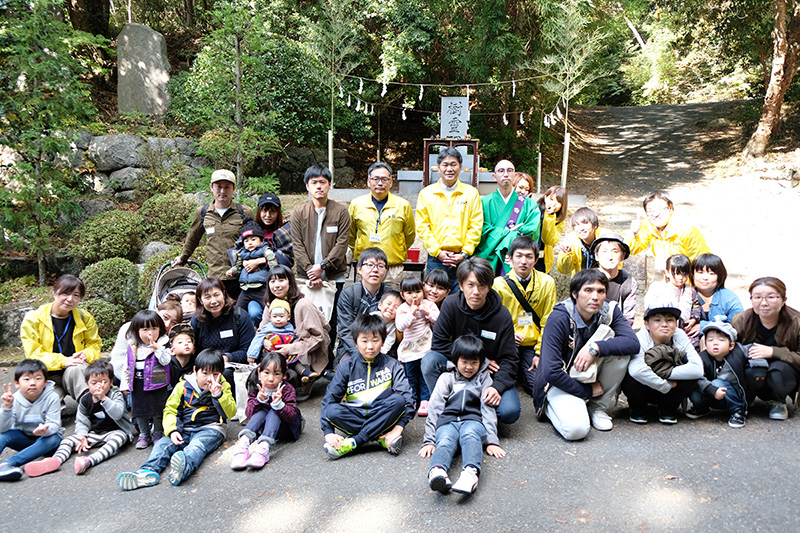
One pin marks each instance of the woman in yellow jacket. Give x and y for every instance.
(63, 337)
(553, 207)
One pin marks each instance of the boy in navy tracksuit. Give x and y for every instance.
(377, 397)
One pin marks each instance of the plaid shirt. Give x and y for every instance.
(281, 244)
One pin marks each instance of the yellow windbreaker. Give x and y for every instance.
(37, 337)
(395, 230)
(551, 231)
(570, 262)
(679, 237)
(540, 294)
(453, 226)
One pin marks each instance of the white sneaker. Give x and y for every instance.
(467, 481)
(438, 480)
(600, 420)
(778, 411)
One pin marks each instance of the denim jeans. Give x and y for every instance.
(433, 263)
(419, 388)
(197, 443)
(434, 363)
(732, 401)
(469, 434)
(255, 311)
(29, 447)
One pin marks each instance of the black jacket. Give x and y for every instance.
(492, 323)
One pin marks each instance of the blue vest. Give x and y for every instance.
(258, 276)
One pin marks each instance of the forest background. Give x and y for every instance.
(251, 78)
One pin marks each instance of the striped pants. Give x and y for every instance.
(111, 442)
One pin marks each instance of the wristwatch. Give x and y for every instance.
(593, 351)
(323, 266)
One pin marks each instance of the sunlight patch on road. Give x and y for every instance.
(663, 506)
(285, 512)
(371, 513)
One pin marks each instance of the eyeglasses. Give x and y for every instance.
(772, 298)
(381, 180)
(656, 211)
(374, 266)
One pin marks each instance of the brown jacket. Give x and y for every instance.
(335, 234)
(781, 353)
(221, 234)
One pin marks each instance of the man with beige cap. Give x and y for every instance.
(221, 225)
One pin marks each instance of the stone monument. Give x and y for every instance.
(143, 71)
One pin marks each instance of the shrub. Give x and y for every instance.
(113, 280)
(24, 288)
(109, 318)
(152, 266)
(167, 217)
(107, 235)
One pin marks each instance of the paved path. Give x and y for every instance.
(749, 222)
(696, 476)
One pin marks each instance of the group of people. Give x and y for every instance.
(451, 346)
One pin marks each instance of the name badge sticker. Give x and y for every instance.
(211, 230)
(374, 238)
(524, 319)
(486, 334)
(226, 334)
(332, 229)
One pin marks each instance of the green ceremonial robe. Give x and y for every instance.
(496, 237)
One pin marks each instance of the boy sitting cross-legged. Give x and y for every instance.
(458, 417)
(195, 420)
(102, 419)
(369, 397)
(30, 420)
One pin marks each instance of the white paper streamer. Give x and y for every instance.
(341, 94)
(505, 119)
(360, 85)
(365, 109)
(513, 89)
(522, 118)
(383, 91)
(404, 114)
(467, 91)
(358, 105)
(558, 113)
(421, 90)
(348, 99)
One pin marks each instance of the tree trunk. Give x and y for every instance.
(786, 44)
(188, 13)
(90, 16)
(239, 123)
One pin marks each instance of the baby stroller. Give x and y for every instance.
(180, 280)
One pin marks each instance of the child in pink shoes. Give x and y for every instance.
(271, 411)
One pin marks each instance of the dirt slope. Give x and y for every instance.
(751, 223)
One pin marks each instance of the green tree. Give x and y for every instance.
(43, 97)
(569, 66)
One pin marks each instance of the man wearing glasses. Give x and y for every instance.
(506, 216)
(665, 233)
(384, 220)
(449, 217)
(362, 297)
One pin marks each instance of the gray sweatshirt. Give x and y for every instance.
(638, 369)
(26, 416)
(458, 398)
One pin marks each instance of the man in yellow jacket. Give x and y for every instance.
(665, 233)
(63, 337)
(449, 217)
(383, 220)
(529, 295)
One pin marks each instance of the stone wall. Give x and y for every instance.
(290, 167)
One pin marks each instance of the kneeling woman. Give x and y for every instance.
(772, 329)
(307, 355)
(220, 325)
